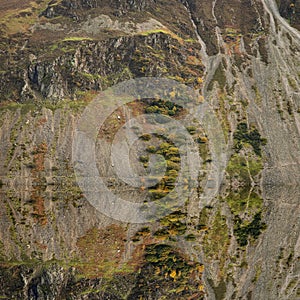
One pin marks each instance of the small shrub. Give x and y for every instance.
(146, 137)
(161, 233)
(252, 137)
(191, 129)
(175, 159)
(151, 149)
(172, 165)
(158, 193)
(190, 237)
(144, 159)
(171, 113)
(253, 229)
(172, 151)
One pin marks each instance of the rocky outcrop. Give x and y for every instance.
(95, 66)
(73, 8)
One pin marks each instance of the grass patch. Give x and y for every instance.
(101, 252)
(241, 167)
(76, 39)
(219, 77)
(244, 200)
(216, 241)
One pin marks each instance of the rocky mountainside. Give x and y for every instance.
(242, 58)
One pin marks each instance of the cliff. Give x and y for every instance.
(242, 58)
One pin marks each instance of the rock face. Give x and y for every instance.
(242, 58)
(290, 10)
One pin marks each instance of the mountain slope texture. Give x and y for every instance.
(242, 58)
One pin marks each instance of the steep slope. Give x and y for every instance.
(242, 58)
